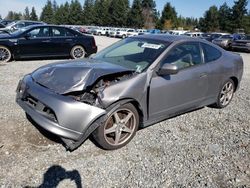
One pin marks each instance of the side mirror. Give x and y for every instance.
(167, 69)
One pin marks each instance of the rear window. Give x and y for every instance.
(210, 53)
(61, 32)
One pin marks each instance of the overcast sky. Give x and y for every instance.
(186, 8)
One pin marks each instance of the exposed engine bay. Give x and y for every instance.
(91, 95)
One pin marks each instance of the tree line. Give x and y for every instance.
(141, 14)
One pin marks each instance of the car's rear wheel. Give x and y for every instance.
(5, 54)
(226, 94)
(77, 52)
(118, 129)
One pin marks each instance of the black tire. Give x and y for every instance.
(78, 52)
(225, 95)
(5, 54)
(123, 36)
(118, 129)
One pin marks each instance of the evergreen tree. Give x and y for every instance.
(135, 17)
(101, 12)
(10, 15)
(54, 6)
(47, 14)
(225, 14)
(169, 17)
(211, 20)
(118, 12)
(239, 12)
(149, 13)
(75, 16)
(59, 15)
(26, 14)
(33, 15)
(89, 12)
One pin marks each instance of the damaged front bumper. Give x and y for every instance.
(58, 114)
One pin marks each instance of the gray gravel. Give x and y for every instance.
(204, 148)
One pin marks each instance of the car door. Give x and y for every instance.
(35, 43)
(63, 40)
(171, 94)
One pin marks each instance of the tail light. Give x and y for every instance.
(93, 43)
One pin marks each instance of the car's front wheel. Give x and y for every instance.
(77, 52)
(118, 129)
(226, 94)
(5, 54)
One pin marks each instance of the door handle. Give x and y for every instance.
(46, 41)
(69, 40)
(203, 75)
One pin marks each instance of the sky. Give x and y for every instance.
(186, 8)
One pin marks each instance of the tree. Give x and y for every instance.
(239, 12)
(101, 14)
(33, 15)
(225, 14)
(14, 15)
(118, 11)
(89, 12)
(135, 17)
(169, 17)
(211, 20)
(26, 14)
(75, 16)
(47, 14)
(54, 6)
(149, 13)
(10, 15)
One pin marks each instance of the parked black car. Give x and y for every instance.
(242, 44)
(45, 41)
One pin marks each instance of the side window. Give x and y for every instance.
(184, 55)
(69, 33)
(210, 53)
(20, 25)
(39, 32)
(58, 32)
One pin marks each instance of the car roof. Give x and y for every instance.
(167, 38)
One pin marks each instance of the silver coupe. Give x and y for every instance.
(134, 83)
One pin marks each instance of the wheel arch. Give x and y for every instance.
(236, 82)
(134, 102)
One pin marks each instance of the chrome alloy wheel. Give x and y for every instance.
(78, 52)
(120, 127)
(226, 94)
(5, 54)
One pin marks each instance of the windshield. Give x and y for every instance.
(132, 53)
(18, 31)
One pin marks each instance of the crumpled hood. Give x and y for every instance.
(70, 76)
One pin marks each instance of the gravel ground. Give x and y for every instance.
(204, 148)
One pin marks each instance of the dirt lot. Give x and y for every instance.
(204, 148)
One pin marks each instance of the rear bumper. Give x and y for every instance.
(55, 113)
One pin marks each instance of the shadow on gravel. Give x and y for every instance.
(44, 132)
(56, 174)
